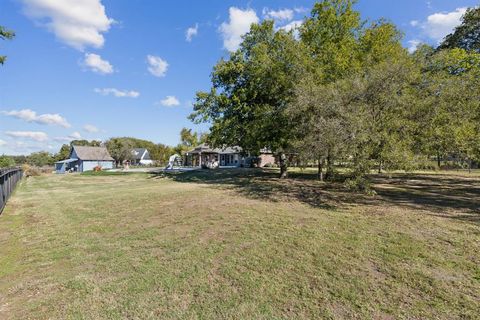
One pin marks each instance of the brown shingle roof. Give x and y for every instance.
(92, 153)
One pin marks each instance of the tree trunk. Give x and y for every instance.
(329, 173)
(379, 166)
(283, 166)
(470, 165)
(320, 169)
(438, 160)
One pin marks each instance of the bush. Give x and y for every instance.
(6, 161)
(360, 184)
(30, 171)
(454, 165)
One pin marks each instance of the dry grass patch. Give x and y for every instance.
(238, 245)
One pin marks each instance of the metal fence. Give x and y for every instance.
(9, 178)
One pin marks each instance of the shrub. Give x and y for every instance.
(30, 171)
(97, 169)
(6, 161)
(360, 184)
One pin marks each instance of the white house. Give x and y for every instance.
(141, 156)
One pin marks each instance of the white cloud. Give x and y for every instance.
(75, 135)
(2, 142)
(77, 23)
(118, 93)
(31, 116)
(300, 10)
(170, 101)
(439, 25)
(280, 15)
(413, 45)
(157, 66)
(97, 64)
(239, 23)
(294, 25)
(90, 128)
(191, 32)
(62, 139)
(33, 135)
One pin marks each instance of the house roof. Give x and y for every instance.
(68, 160)
(92, 153)
(205, 148)
(139, 152)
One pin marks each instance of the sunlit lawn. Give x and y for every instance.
(240, 244)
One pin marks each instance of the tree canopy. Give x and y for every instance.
(344, 89)
(467, 34)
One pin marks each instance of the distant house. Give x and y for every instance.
(85, 159)
(266, 157)
(204, 156)
(141, 156)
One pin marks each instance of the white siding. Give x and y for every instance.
(89, 165)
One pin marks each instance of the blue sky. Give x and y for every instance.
(102, 68)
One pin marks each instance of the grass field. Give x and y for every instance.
(240, 244)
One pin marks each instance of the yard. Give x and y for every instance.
(240, 244)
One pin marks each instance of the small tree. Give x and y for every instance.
(120, 149)
(40, 159)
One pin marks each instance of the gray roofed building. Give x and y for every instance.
(141, 156)
(205, 156)
(205, 148)
(83, 158)
(92, 153)
(141, 153)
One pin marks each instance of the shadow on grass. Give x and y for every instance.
(439, 193)
(444, 195)
(108, 173)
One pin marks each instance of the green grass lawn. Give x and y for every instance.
(240, 244)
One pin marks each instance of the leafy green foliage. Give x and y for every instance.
(120, 149)
(331, 37)
(251, 91)
(40, 159)
(342, 89)
(6, 161)
(5, 34)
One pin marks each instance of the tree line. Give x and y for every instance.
(120, 148)
(343, 90)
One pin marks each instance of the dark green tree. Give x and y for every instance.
(467, 34)
(251, 90)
